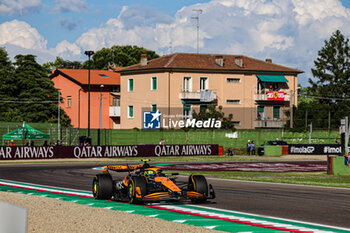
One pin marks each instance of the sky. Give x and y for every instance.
(290, 32)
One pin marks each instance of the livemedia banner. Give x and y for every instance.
(314, 149)
(81, 152)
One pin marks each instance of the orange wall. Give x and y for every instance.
(69, 88)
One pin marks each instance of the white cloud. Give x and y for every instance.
(156, 37)
(18, 37)
(65, 6)
(21, 34)
(290, 32)
(313, 10)
(142, 16)
(19, 7)
(67, 50)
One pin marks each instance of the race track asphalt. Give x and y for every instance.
(329, 206)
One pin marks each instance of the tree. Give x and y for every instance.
(121, 56)
(36, 96)
(212, 112)
(306, 110)
(61, 63)
(7, 87)
(328, 97)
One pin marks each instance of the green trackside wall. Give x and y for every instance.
(123, 137)
(273, 150)
(138, 136)
(338, 166)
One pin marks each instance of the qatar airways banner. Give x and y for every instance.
(81, 152)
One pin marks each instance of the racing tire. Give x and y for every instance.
(102, 186)
(199, 184)
(137, 181)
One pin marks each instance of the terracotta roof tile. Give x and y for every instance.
(97, 77)
(207, 62)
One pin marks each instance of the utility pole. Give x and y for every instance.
(310, 132)
(59, 117)
(199, 11)
(347, 129)
(292, 94)
(99, 129)
(291, 108)
(89, 54)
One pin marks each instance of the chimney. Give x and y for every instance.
(219, 60)
(239, 61)
(143, 60)
(268, 60)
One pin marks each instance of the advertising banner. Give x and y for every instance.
(80, 152)
(314, 149)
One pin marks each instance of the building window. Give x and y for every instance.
(233, 80)
(69, 101)
(233, 101)
(236, 123)
(203, 83)
(187, 85)
(130, 111)
(276, 112)
(130, 85)
(186, 111)
(154, 83)
(116, 101)
(153, 107)
(260, 112)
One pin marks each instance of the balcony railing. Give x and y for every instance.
(268, 124)
(114, 111)
(266, 97)
(202, 95)
(190, 95)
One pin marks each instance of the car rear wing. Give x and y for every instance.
(121, 168)
(126, 167)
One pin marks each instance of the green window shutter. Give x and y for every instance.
(131, 111)
(154, 107)
(276, 112)
(131, 85)
(187, 107)
(154, 83)
(261, 109)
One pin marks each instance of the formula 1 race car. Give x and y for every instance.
(149, 184)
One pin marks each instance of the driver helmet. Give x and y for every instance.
(149, 173)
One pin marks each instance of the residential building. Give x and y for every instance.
(104, 97)
(256, 92)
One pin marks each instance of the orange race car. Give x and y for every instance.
(149, 184)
